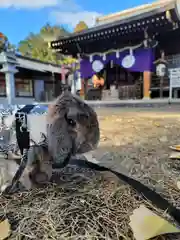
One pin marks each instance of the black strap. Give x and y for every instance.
(22, 134)
(23, 140)
(18, 173)
(146, 193)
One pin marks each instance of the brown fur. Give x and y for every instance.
(39, 164)
(63, 137)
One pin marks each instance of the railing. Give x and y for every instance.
(159, 87)
(127, 92)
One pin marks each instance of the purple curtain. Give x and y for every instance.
(144, 59)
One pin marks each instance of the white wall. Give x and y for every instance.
(19, 100)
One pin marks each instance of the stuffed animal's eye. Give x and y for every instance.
(71, 122)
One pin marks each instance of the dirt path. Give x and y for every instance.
(137, 143)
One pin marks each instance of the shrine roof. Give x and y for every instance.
(160, 14)
(135, 11)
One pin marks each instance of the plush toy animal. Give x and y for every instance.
(72, 127)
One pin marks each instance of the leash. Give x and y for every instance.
(23, 141)
(145, 192)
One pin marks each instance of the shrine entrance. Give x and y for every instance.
(121, 83)
(118, 74)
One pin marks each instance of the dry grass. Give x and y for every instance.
(76, 213)
(94, 207)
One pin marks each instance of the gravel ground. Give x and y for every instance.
(133, 141)
(138, 143)
(150, 133)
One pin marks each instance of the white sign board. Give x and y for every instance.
(174, 76)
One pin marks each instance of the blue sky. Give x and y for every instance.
(19, 17)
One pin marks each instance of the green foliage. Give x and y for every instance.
(36, 45)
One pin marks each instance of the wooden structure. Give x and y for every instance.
(24, 80)
(152, 26)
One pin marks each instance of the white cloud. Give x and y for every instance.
(70, 13)
(65, 11)
(28, 3)
(73, 18)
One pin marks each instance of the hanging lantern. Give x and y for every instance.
(161, 69)
(111, 64)
(161, 66)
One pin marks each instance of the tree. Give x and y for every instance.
(36, 45)
(5, 45)
(81, 26)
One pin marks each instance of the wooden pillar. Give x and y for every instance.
(85, 88)
(146, 85)
(9, 70)
(82, 89)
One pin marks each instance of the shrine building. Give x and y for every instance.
(119, 54)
